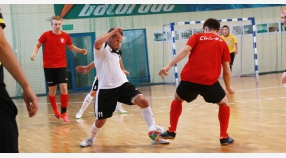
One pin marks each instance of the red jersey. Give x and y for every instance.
(208, 53)
(55, 49)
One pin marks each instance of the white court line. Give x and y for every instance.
(80, 120)
(173, 96)
(269, 98)
(246, 90)
(159, 111)
(49, 103)
(280, 114)
(257, 89)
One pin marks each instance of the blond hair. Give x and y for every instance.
(283, 10)
(55, 17)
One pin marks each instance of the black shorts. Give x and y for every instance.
(189, 91)
(55, 76)
(8, 125)
(107, 99)
(94, 85)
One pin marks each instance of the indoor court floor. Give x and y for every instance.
(257, 123)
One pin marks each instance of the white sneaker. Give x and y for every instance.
(121, 111)
(78, 115)
(87, 142)
(160, 141)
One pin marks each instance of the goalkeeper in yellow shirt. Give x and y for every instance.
(231, 42)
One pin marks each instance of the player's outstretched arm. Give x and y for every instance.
(35, 51)
(122, 67)
(75, 49)
(11, 63)
(85, 69)
(183, 53)
(227, 77)
(236, 48)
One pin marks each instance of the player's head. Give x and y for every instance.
(225, 30)
(283, 15)
(56, 22)
(115, 40)
(211, 25)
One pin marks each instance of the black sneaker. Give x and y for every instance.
(168, 135)
(226, 141)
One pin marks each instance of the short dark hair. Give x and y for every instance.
(212, 24)
(225, 26)
(112, 30)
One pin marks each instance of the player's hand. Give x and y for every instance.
(32, 57)
(126, 72)
(31, 101)
(117, 30)
(230, 90)
(163, 72)
(82, 69)
(84, 51)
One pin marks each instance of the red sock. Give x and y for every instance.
(53, 101)
(223, 116)
(64, 100)
(175, 113)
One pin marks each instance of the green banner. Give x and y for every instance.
(75, 11)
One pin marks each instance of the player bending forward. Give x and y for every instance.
(113, 85)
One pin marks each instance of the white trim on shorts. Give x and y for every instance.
(133, 98)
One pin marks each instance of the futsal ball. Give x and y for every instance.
(154, 131)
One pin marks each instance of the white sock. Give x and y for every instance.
(284, 84)
(94, 131)
(86, 102)
(148, 116)
(118, 106)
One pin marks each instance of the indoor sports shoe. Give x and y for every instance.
(168, 135)
(65, 117)
(78, 115)
(226, 141)
(87, 142)
(57, 113)
(160, 141)
(121, 111)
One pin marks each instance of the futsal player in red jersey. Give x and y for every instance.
(207, 54)
(55, 64)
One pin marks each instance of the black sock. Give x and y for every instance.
(63, 110)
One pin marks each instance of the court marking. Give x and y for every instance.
(192, 105)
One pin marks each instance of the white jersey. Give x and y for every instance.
(108, 68)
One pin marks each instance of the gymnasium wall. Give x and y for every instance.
(25, 24)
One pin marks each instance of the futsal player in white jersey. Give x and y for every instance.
(92, 93)
(113, 86)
